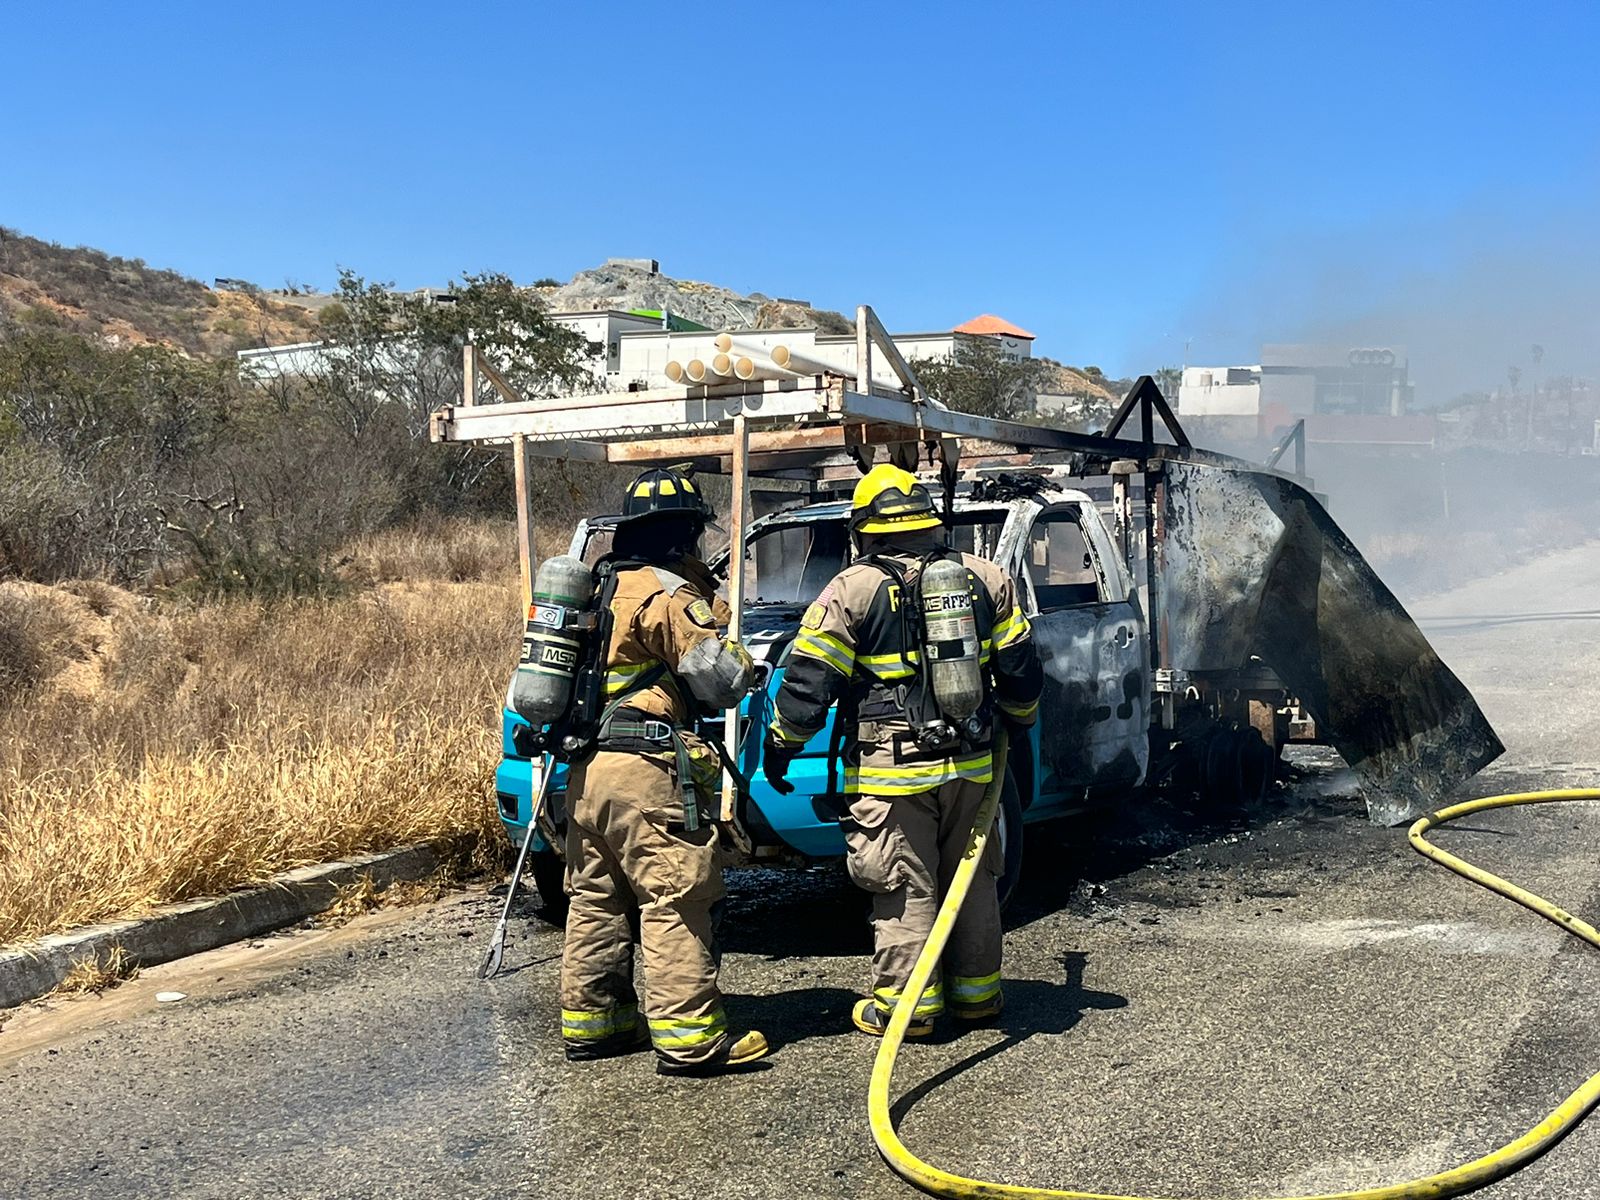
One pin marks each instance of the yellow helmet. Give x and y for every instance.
(890, 500)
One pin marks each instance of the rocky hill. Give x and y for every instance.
(619, 284)
(125, 301)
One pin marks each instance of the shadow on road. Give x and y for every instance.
(780, 914)
(796, 1014)
(1033, 1006)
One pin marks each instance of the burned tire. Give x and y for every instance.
(1257, 766)
(1236, 768)
(549, 878)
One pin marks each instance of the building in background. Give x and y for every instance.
(1357, 394)
(630, 349)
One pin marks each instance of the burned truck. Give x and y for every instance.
(1195, 613)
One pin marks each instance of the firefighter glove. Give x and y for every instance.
(775, 759)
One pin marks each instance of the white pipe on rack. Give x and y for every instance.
(746, 368)
(722, 366)
(724, 342)
(816, 361)
(695, 370)
(674, 370)
(811, 361)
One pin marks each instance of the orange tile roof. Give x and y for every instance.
(994, 326)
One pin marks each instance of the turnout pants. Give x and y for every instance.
(629, 858)
(905, 850)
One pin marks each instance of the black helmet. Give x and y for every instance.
(665, 491)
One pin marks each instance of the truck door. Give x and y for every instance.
(1094, 714)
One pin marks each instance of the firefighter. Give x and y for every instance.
(914, 781)
(641, 842)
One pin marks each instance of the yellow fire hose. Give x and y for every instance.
(1476, 1174)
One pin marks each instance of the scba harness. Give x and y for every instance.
(566, 686)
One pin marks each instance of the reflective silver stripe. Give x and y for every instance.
(974, 989)
(931, 1003)
(908, 781)
(586, 1025)
(678, 1032)
(816, 644)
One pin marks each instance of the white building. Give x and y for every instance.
(1351, 394)
(631, 349)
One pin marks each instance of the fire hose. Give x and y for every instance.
(1480, 1172)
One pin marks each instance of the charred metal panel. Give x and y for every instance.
(1255, 566)
(1094, 715)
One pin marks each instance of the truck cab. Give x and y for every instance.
(1092, 740)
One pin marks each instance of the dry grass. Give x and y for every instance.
(92, 975)
(152, 751)
(451, 551)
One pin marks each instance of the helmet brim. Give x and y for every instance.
(885, 525)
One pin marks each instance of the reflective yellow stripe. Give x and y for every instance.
(786, 733)
(584, 1025)
(618, 678)
(1022, 712)
(974, 989)
(677, 1032)
(931, 1003)
(816, 644)
(907, 781)
(890, 666)
(887, 667)
(1012, 630)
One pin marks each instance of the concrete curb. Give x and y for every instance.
(29, 971)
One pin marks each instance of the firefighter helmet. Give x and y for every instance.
(665, 491)
(890, 500)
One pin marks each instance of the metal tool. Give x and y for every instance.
(497, 943)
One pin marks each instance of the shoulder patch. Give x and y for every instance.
(813, 617)
(700, 613)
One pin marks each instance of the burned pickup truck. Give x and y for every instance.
(1195, 613)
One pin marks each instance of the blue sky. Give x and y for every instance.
(1122, 179)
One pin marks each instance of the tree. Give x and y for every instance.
(1169, 380)
(980, 378)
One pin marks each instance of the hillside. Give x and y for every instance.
(618, 285)
(125, 301)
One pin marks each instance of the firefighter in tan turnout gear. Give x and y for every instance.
(888, 640)
(641, 838)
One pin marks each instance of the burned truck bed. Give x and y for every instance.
(1252, 568)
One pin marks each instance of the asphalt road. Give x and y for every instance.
(1291, 1003)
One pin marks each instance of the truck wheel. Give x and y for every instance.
(549, 877)
(1008, 828)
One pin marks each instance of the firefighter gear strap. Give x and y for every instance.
(629, 729)
(1495, 1165)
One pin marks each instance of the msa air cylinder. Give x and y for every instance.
(950, 639)
(541, 690)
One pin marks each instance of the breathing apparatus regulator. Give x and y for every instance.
(945, 703)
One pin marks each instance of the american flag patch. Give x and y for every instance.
(827, 594)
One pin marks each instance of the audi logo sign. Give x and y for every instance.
(1372, 358)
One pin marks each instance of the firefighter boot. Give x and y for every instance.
(626, 1042)
(871, 1019)
(985, 1011)
(736, 1055)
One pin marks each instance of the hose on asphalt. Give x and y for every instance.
(1495, 1165)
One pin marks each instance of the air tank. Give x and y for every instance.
(552, 649)
(950, 639)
